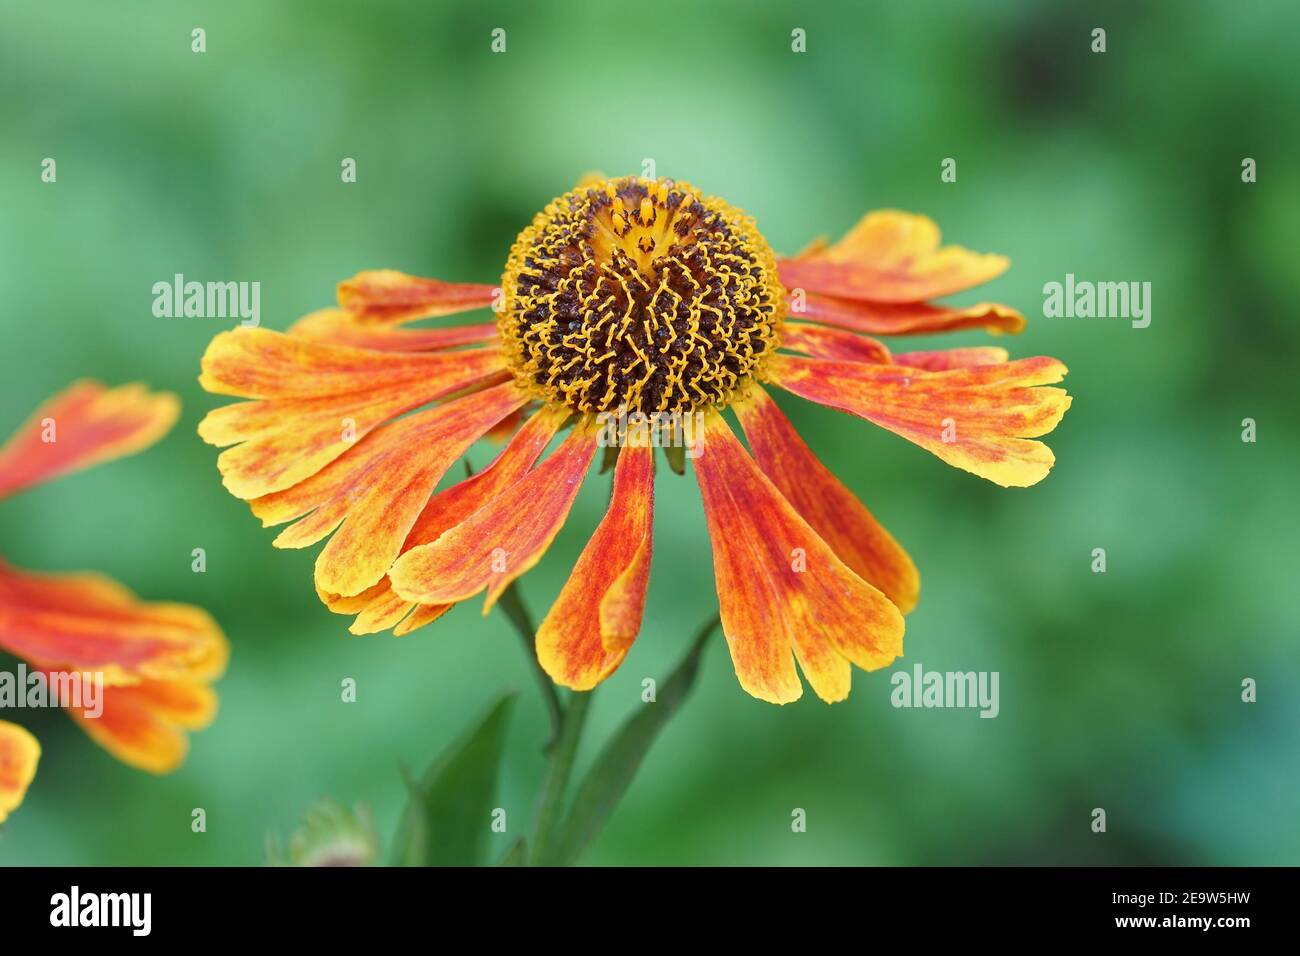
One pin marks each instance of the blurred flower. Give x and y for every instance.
(157, 660)
(642, 297)
(331, 835)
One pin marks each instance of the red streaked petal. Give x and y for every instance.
(83, 425)
(977, 419)
(909, 318)
(87, 622)
(374, 494)
(287, 440)
(827, 615)
(343, 328)
(822, 500)
(259, 363)
(891, 256)
(593, 622)
(19, 754)
(945, 360)
(502, 431)
(143, 725)
(380, 608)
(833, 343)
(504, 538)
(386, 295)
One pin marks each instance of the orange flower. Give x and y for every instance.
(646, 298)
(156, 660)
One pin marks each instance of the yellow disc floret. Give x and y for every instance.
(639, 294)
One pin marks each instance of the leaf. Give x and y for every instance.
(448, 818)
(516, 855)
(614, 769)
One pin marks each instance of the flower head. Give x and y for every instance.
(646, 299)
(156, 660)
(639, 295)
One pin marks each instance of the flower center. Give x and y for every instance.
(639, 294)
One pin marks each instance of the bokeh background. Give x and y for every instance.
(1118, 690)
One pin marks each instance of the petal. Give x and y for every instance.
(504, 538)
(386, 295)
(19, 753)
(501, 432)
(81, 426)
(825, 503)
(87, 622)
(143, 725)
(259, 363)
(910, 318)
(891, 256)
(825, 613)
(944, 360)
(593, 622)
(833, 343)
(286, 440)
(375, 492)
(978, 419)
(379, 608)
(343, 328)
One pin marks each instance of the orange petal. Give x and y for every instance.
(286, 440)
(374, 493)
(825, 503)
(833, 343)
(501, 432)
(81, 426)
(19, 753)
(504, 538)
(910, 318)
(144, 725)
(386, 295)
(343, 328)
(379, 608)
(87, 622)
(422, 615)
(944, 360)
(891, 256)
(259, 363)
(977, 419)
(593, 622)
(781, 587)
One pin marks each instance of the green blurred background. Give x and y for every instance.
(1118, 690)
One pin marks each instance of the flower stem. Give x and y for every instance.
(559, 768)
(512, 605)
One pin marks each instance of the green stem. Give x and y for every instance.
(559, 768)
(512, 605)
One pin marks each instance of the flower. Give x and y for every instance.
(157, 660)
(642, 297)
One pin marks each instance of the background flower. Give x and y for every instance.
(1116, 166)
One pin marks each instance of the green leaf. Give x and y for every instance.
(614, 769)
(517, 855)
(448, 818)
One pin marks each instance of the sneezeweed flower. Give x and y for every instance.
(643, 296)
(157, 660)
